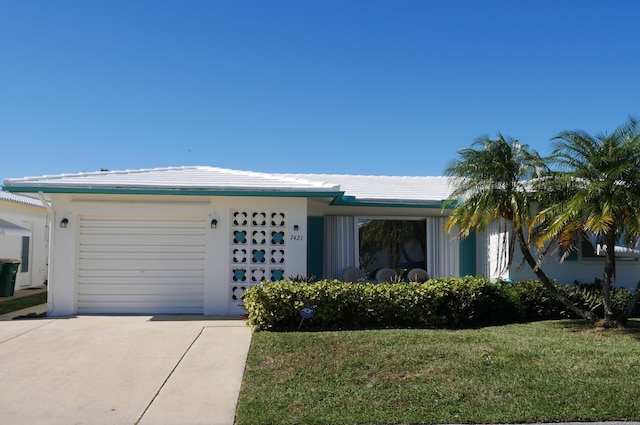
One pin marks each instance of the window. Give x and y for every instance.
(24, 265)
(398, 244)
(591, 248)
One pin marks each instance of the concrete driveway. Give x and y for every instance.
(121, 370)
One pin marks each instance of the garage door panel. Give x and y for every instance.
(124, 281)
(141, 289)
(146, 299)
(184, 237)
(153, 253)
(116, 276)
(123, 307)
(164, 228)
(117, 272)
(130, 240)
(141, 266)
(95, 223)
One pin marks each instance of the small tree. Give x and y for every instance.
(492, 182)
(595, 189)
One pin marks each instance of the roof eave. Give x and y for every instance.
(189, 191)
(23, 206)
(393, 203)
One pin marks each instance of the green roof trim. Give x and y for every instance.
(339, 199)
(350, 201)
(176, 191)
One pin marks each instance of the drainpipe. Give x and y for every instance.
(46, 205)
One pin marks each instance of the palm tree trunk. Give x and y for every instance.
(546, 282)
(609, 274)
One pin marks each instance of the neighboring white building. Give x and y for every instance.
(581, 267)
(191, 240)
(24, 236)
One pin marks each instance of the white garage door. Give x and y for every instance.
(141, 266)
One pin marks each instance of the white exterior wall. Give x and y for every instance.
(576, 270)
(63, 273)
(36, 220)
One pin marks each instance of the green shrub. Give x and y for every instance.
(441, 302)
(589, 296)
(537, 302)
(452, 302)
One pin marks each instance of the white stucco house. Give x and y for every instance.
(191, 240)
(24, 236)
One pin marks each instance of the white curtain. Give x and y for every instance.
(482, 254)
(443, 249)
(339, 245)
(498, 250)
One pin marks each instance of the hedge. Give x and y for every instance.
(442, 302)
(455, 302)
(538, 303)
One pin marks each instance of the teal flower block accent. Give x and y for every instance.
(277, 238)
(239, 236)
(258, 256)
(239, 275)
(277, 275)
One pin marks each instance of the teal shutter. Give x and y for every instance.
(24, 258)
(468, 255)
(573, 256)
(315, 246)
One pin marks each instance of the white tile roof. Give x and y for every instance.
(19, 199)
(375, 189)
(193, 177)
(388, 189)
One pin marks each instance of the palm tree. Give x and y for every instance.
(491, 184)
(600, 181)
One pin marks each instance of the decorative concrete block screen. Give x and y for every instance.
(258, 249)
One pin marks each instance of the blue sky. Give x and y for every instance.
(315, 86)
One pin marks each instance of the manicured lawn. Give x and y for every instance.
(537, 372)
(24, 302)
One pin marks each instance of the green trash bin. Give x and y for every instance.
(8, 272)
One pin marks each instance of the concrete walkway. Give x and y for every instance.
(146, 370)
(35, 311)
